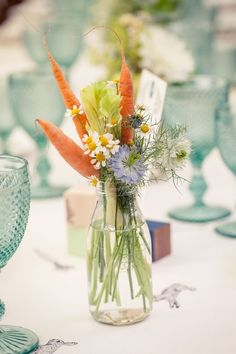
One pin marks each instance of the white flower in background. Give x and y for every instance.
(165, 54)
(75, 111)
(91, 142)
(107, 142)
(176, 153)
(99, 157)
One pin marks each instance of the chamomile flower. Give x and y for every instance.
(145, 129)
(93, 181)
(75, 111)
(91, 142)
(99, 158)
(107, 142)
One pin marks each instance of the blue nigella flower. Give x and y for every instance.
(127, 165)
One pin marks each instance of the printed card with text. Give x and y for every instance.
(151, 94)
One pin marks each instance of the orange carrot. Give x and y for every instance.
(127, 100)
(68, 96)
(68, 149)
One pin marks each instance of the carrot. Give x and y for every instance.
(68, 149)
(68, 96)
(127, 100)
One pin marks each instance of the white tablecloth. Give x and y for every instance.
(54, 303)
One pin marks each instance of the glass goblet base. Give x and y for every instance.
(202, 213)
(47, 191)
(228, 229)
(17, 340)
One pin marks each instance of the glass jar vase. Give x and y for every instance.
(119, 258)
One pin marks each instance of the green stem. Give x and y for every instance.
(130, 259)
(119, 265)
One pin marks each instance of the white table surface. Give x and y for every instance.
(54, 303)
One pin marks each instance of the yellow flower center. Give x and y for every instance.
(104, 141)
(74, 111)
(92, 146)
(94, 182)
(145, 128)
(100, 157)
(89, 140)
(114, 120)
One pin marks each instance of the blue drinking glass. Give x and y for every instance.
(226, 140)
(7, 122)
(194, 104)
(34, 94)
(14, 212)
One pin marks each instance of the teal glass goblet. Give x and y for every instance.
(196, 30)
(194, 105)
(80, 10)
(226, 140)
(34, 94)
(7, 122)
(64, 39)
(14, 212)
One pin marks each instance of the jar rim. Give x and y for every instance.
(15, 163)
(118, 188)
(202, 82)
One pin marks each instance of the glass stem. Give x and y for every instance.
(43, 166)
(4, 145)
(198, 186)
(2, 309)
(43, 169)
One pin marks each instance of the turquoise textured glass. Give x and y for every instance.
(14, 212)
(226, 140)
(64, 39)
(34, 94)
(80, 10)
(223, 63)
(196, 30)
(7, 123)
(194, 104)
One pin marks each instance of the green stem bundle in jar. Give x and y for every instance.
(119, 258)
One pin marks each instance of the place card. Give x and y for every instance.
(151, 94)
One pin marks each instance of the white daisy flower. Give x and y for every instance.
(100, 157)
(145, 129)
(93, 181)
(107, 142)
(91, 142)
(75, 111)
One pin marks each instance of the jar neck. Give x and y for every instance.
(119, 191)
(120, 207)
